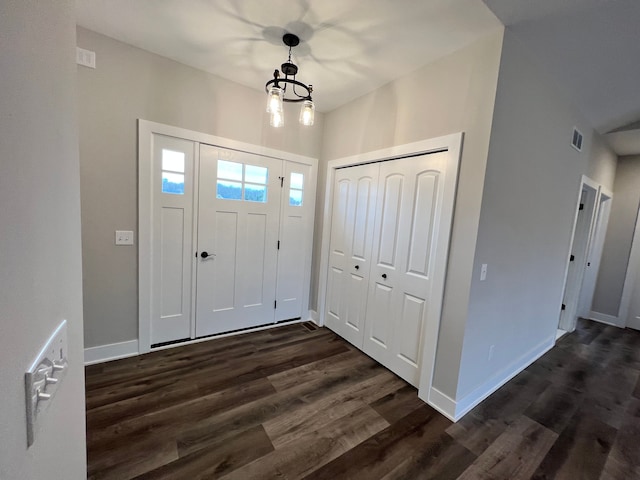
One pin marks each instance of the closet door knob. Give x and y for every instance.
(384, 275)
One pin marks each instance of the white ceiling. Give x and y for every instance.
(592, 48)
(348, 48)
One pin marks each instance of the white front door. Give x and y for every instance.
(408, 220)
(237, 241)
(354, 203)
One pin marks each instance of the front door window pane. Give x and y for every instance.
(173, 183)
(229, 190)
(254, 174)
(255, 193)
(229, 170)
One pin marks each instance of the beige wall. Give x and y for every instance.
(40, 271)
(453, 94)
(130, 83)
(531, 189)
(617, 245)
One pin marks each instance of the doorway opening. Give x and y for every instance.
(581, 241)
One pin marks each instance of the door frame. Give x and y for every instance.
(574, 286)
(594, 255)
(146, 130)
(451, 143)
(630, 279)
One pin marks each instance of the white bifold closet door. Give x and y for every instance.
(394, 244)
(354, 203)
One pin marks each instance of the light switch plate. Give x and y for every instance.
(124, 237)
(85, 57)
(43, 378)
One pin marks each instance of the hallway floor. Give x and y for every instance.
(299, 402)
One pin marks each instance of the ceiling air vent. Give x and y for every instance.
(576, 139)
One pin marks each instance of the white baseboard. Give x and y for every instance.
(442, 403)
(604, 318)
(113, 351)
(454, 410)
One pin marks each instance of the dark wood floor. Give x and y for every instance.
(299, 402)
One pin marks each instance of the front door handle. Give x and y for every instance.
(206, 255)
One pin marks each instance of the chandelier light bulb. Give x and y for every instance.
(274, 99)
(307, 113)
(276, 119)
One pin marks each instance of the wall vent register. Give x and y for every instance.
(576, 139)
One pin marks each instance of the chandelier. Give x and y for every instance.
(277, 91)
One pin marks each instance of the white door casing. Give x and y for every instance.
(579, 246)
(155, 328)
(350, 250)
(603, 208)
(407, 221)
(236, 279)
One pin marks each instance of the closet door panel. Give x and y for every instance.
(404, 248)
(379, 312)
(410, 321)
(388, 219)
(350, 250)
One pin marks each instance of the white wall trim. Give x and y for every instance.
(454, 410)
(442, 403)
(451, 143)
(604, 318)
(313, 316)
(113, 351)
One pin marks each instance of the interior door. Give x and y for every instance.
(577, 258)
(354, 204)
(238, 222)
(296, 238)
(172, 191)
(407, 220)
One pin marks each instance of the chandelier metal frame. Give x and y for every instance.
(289, 69)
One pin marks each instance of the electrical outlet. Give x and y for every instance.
(43, 378)
(124, 237)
